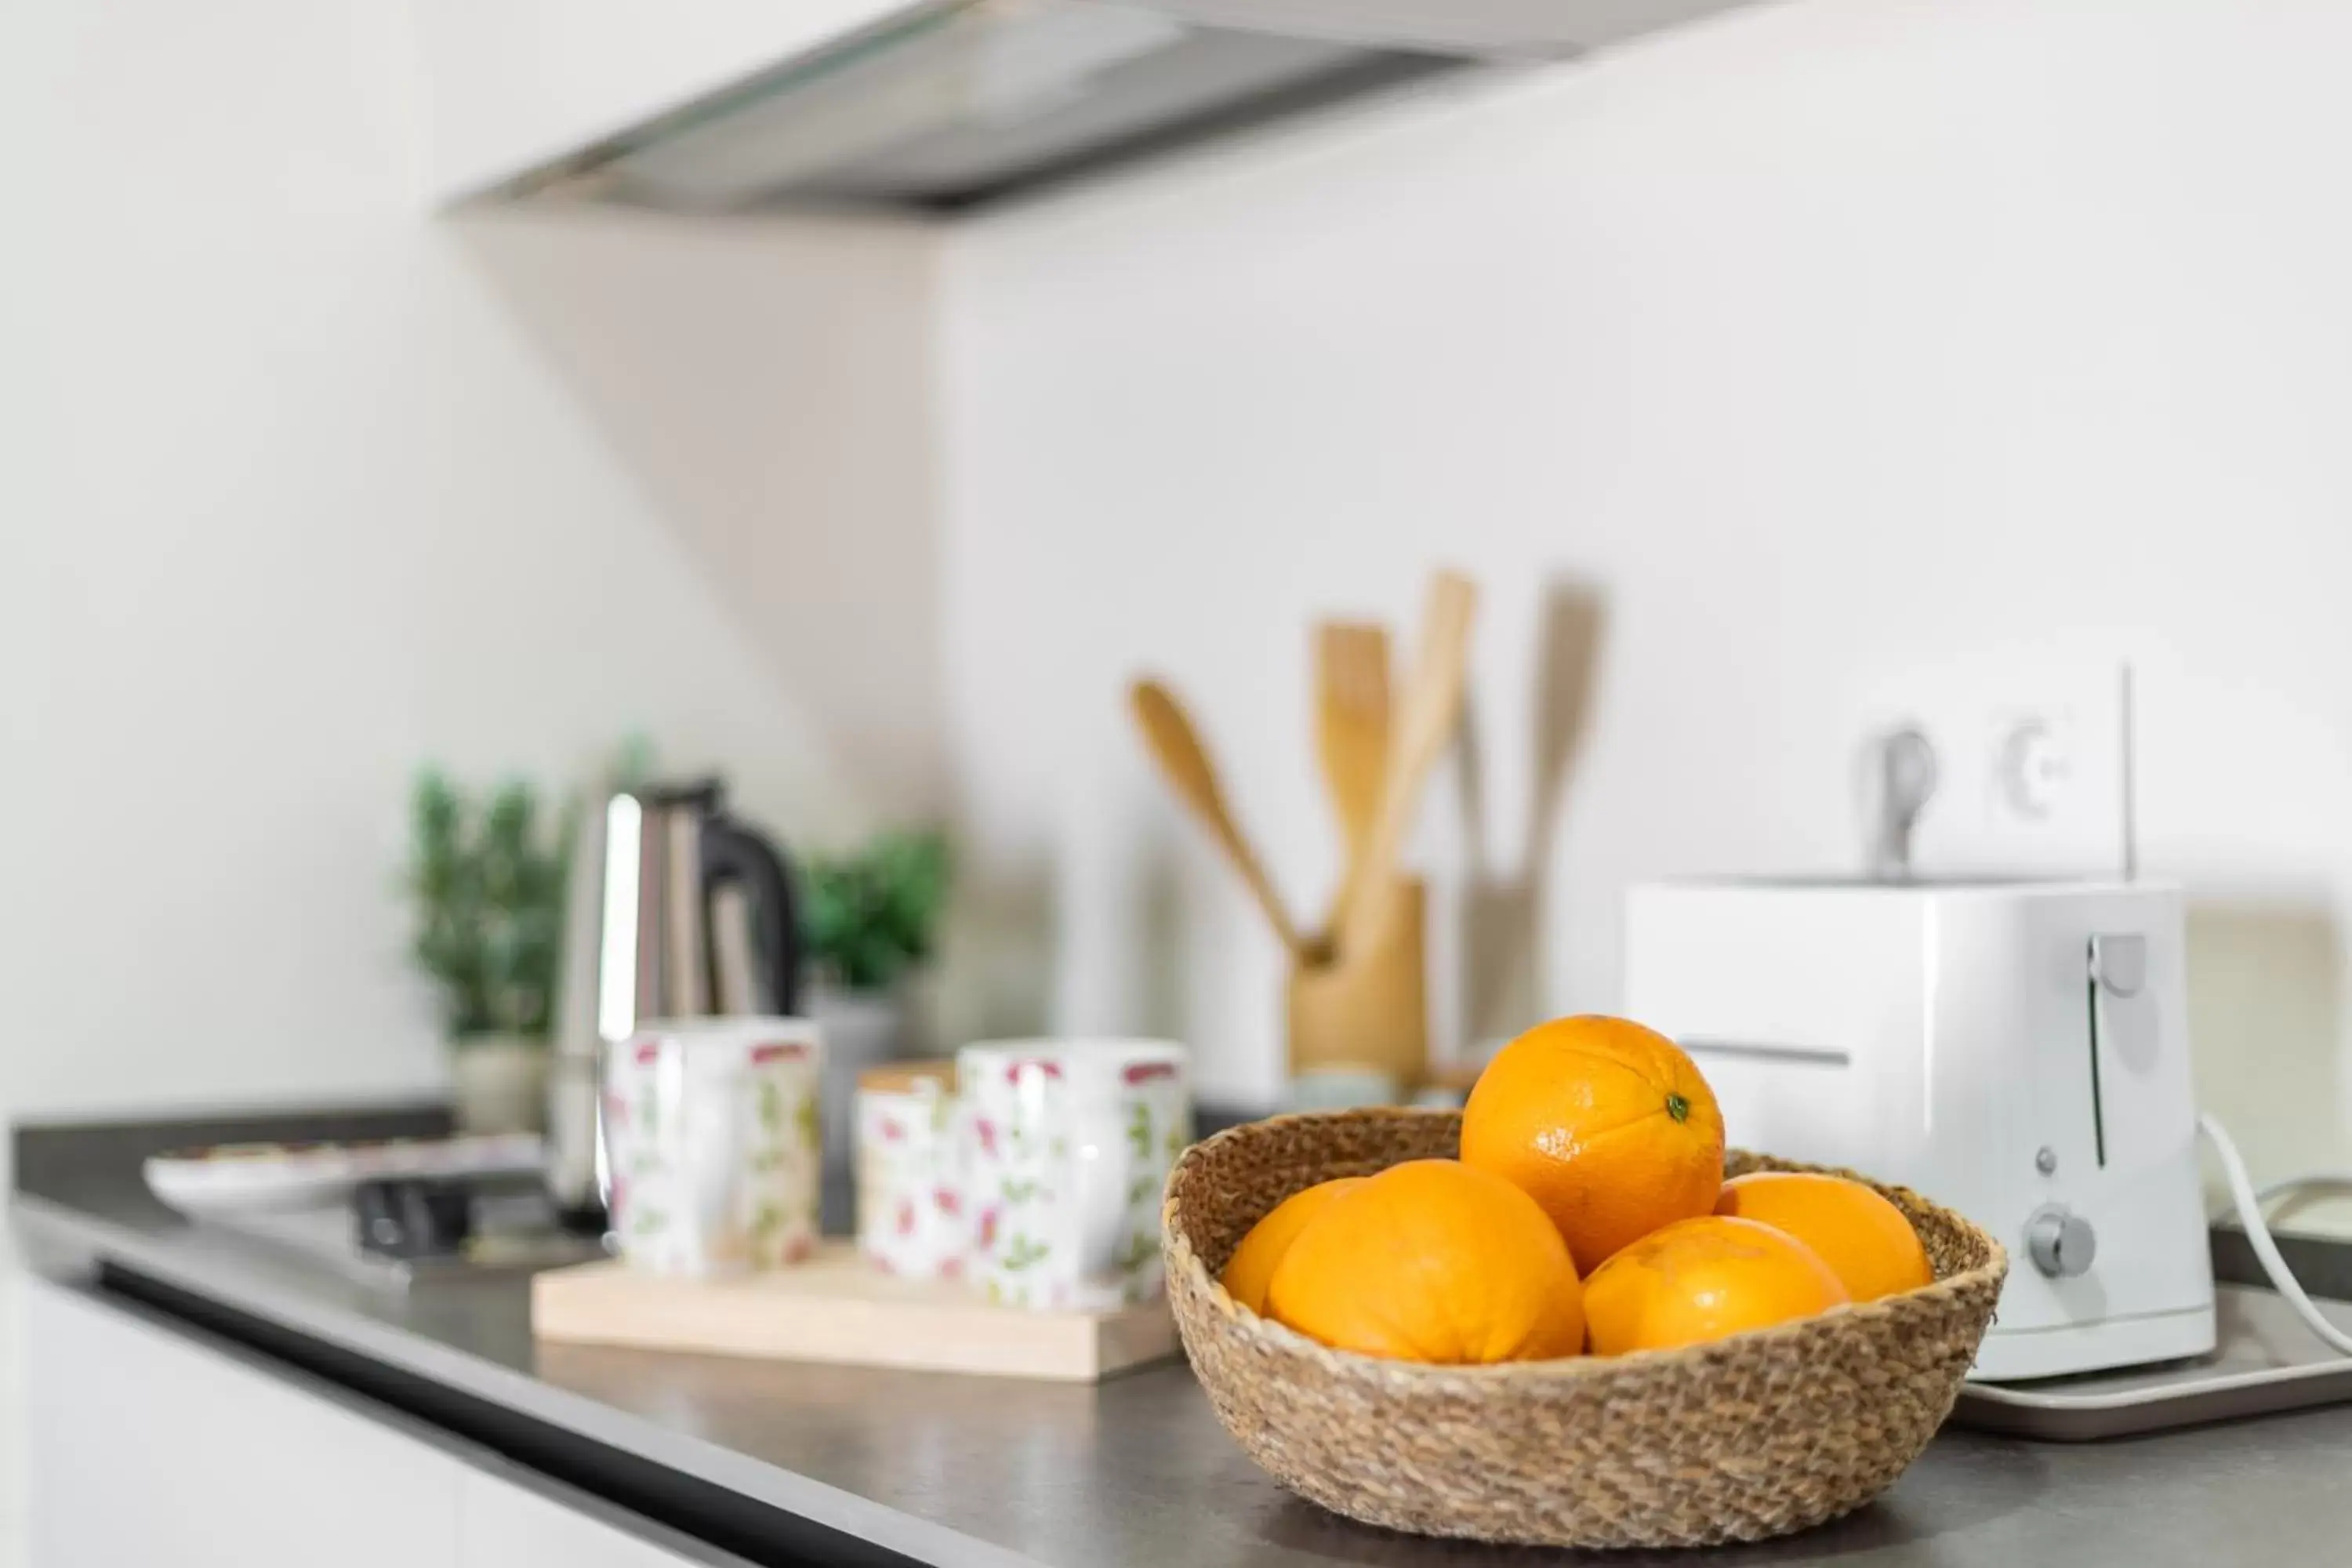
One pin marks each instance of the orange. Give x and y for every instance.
(1865, 1239)
(1252, 1265)
(1432, 1260)
(1702, 1280)
(1607, 1124)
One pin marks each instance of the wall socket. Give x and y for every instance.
(2033, 764)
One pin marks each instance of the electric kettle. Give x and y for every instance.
(677, 910)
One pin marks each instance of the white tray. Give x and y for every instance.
(247, 1178)
(2266, 1360)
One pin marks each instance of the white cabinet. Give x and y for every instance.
(148, 1443)
(145, 1446)
(504, 1524)
(514, 84)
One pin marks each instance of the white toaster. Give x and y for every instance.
(2018, 1051)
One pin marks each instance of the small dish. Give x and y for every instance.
(260, 1178)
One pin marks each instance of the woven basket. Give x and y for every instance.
(1752, 1436)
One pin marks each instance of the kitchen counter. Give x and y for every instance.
(967, 1472)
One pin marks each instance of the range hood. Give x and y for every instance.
(954, 103)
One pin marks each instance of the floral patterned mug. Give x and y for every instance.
(1068, 1146)
(710, 1126)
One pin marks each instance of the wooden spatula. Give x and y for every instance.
(1426, 718)
(1176, 745)
(1351, 734)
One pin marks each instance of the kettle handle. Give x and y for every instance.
(730, 850)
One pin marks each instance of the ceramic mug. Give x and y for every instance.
(711, 1125)
(911, 1218)
(1067, 1146)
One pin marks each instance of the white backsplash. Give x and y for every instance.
(1828, 339)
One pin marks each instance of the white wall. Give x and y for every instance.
(305, 487)
(1834, 338)
(300, 488)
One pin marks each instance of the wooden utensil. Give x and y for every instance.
(1424, 727)
(1351, 734)
(1176, 745)
(1368, 1008)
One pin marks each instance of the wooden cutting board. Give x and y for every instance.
(838, 1308)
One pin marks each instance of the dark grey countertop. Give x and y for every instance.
(992, 1473)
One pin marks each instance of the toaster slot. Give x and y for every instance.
(2098, 1102)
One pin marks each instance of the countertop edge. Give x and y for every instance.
(61, 1239)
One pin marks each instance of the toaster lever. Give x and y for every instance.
(2119, 963)
(2125, 1032)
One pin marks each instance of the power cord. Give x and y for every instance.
(2258, 1232)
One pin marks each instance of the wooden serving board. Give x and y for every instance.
(838, 1308)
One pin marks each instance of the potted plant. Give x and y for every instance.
(870, 919)
(486, 880)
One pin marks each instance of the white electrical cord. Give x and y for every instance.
(2250, 1214)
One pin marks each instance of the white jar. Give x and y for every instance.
(912, 1219)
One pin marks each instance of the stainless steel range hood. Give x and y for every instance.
(950, 104)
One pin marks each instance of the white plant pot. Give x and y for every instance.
(498, 1084)
(861, 1029)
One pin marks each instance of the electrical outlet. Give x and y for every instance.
(2032, 765)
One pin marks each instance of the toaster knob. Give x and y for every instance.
(2059, 1241)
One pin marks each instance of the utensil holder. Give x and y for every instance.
(1370, 1009)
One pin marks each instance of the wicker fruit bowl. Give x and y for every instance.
(1756, 1435)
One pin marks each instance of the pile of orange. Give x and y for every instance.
(1588, 1214)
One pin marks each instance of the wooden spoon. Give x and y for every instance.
(1352, 734)
(1426, 719)
(1176, 745)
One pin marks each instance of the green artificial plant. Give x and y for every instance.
(869, 916)
(486, 878)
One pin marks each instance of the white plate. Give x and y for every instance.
(247, 1178)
